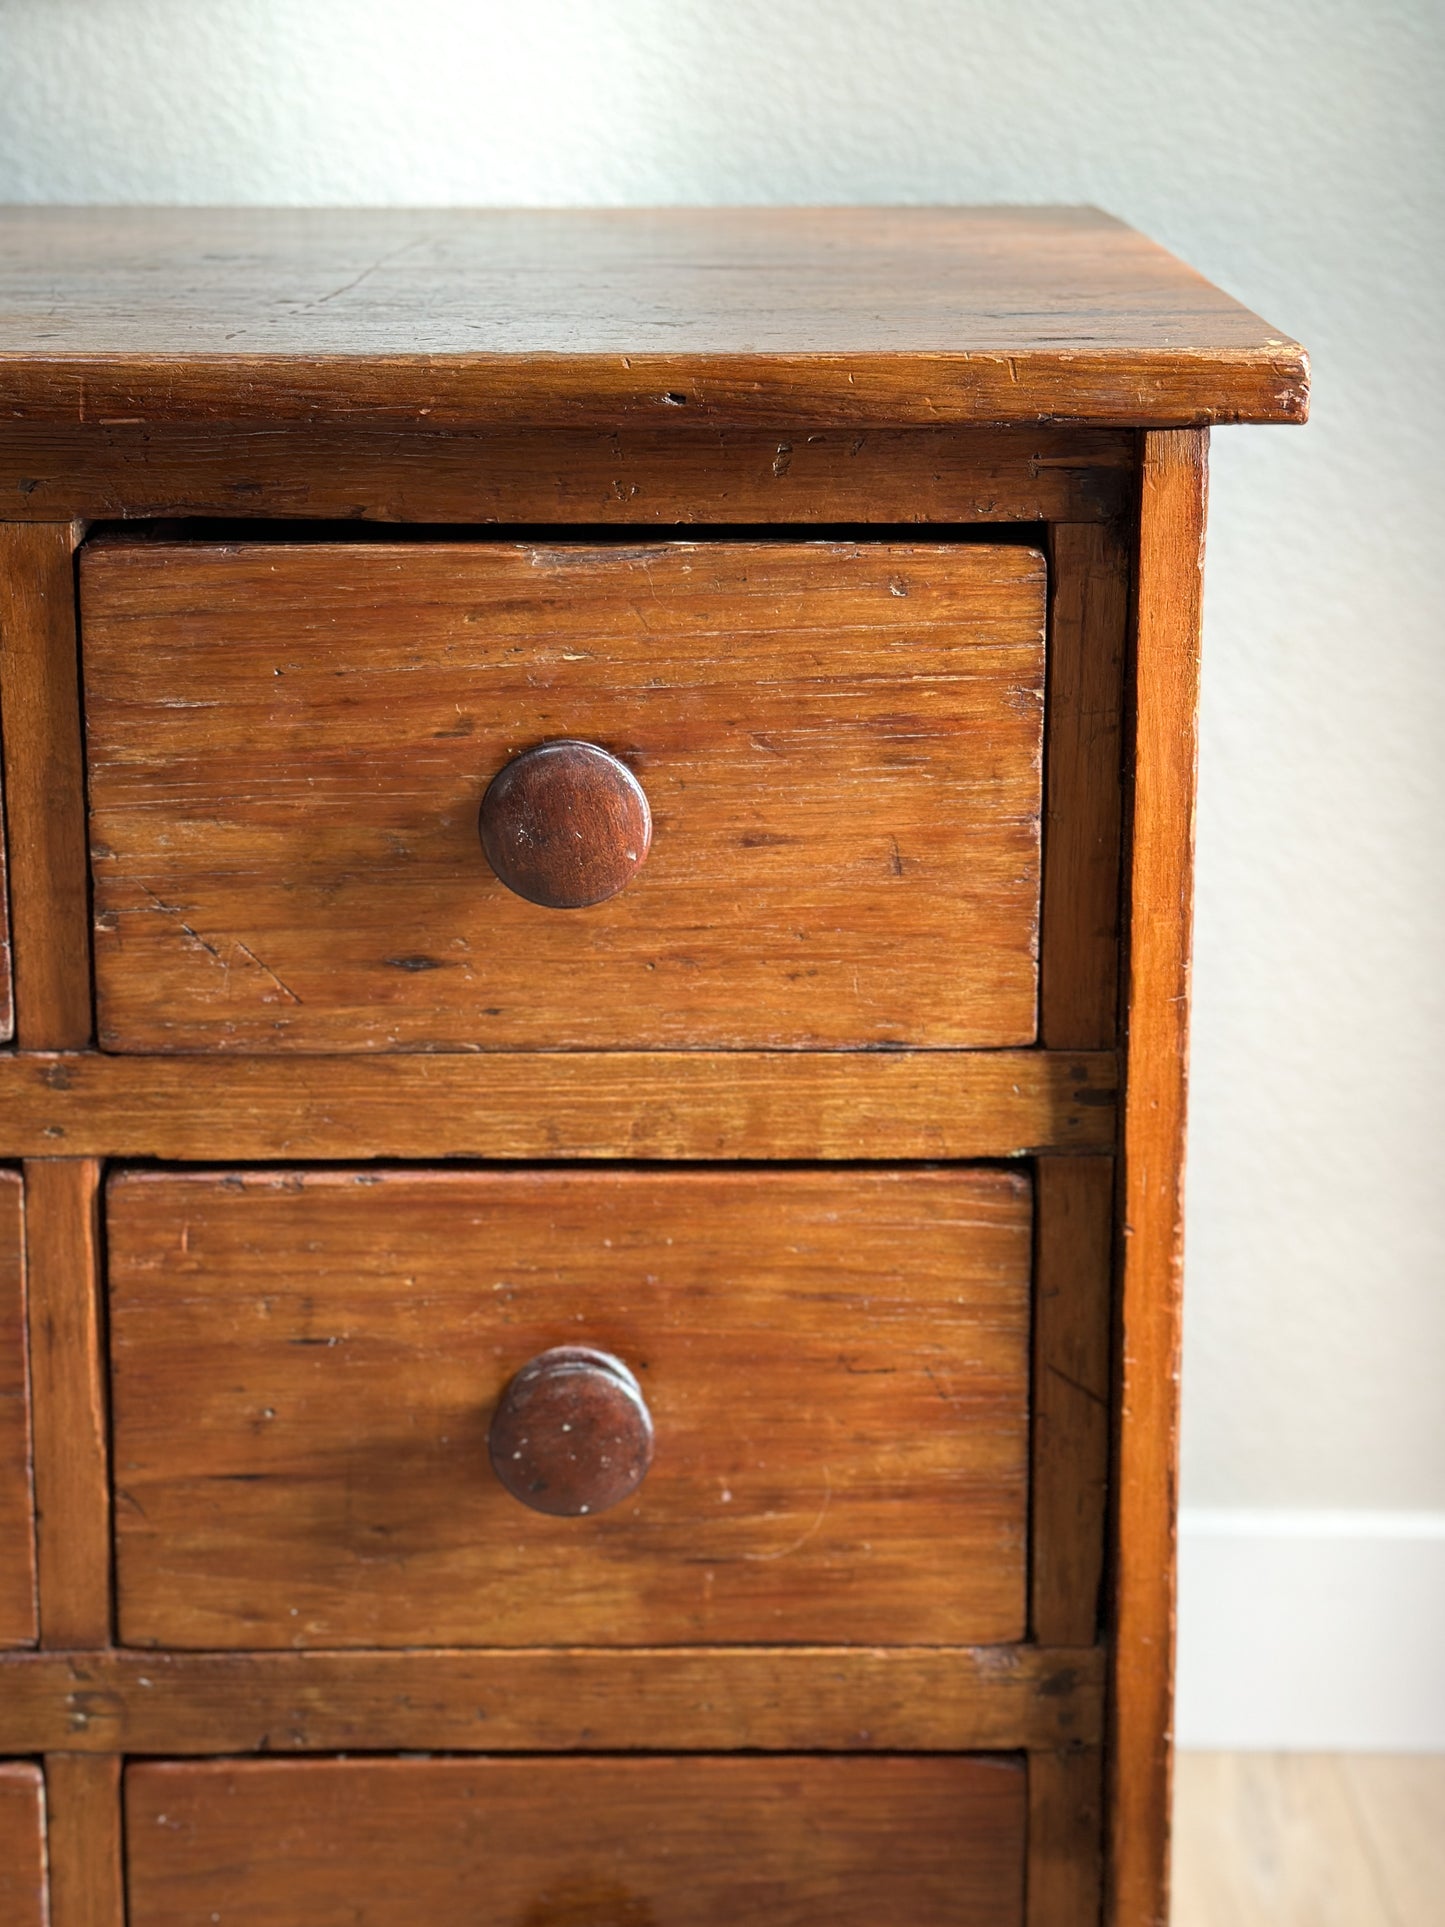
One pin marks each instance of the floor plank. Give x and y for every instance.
(1277, 1840)
(1401, 1803)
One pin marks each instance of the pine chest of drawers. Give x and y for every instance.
(598, 828)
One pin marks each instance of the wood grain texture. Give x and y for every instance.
(1088, 625)
(1066, 1838)
(72, 1453)
(83, 1804)
(19, 1624)
(1309, 1840)
(305, 1366)
(692, 1842)
(22, 1845)
(1073, 1291)
(1165, 705)
(584, 1104)
(636, 475)
(7, 992)
(44, 786)
(289, 743)
(751, 316)
(1401, 1804)
(768, 1698)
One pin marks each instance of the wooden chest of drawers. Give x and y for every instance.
(590, 1205)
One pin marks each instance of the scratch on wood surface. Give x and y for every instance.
(782, 1552)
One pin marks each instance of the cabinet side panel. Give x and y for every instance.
(1165, 701)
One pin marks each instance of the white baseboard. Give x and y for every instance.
(1312, 1631)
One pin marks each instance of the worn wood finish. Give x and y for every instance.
(72, 1471)
(757, 374)
(1066, 1838)
(22, 1845)
(83, 1805)
(7, 996)
(566, 825)
(772, 1698)
(521, 1105)
(305, 1365)
(1165, 703)
(44, 785)
(772, 317)
(571, 1434)
(637, 475)
(840, 743)
(1088, 624)
(1073, 1274)
(18, 1621)
(692, 1842)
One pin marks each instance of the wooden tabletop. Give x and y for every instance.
(757, 317)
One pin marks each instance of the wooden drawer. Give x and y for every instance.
(17, 1535)
(633, 1842)
(306, 1367)
(22, 1845)
(840, 745)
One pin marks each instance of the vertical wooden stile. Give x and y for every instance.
(44, 785)
(7, 999)
(1088, 625)
(1065, 1870)
(72, 1473)
(1072, 1265)
(1089, 570)
(83, 1813)
(1165, 705)
(18, 1621)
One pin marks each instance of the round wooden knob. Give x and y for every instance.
(566, 824)
(572, 1433)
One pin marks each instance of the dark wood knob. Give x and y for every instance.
(566, 824)
(572, 1433)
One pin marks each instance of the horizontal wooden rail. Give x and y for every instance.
(625, 1104)
(632, 476)
(777, 1699)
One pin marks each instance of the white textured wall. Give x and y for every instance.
(1291, 151)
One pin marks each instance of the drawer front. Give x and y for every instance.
(22, 1845)
(17, 1535)
(312, 1371)
(690, 1842)
(839, 746)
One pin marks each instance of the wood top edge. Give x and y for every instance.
(750, 317)
(1137, 387)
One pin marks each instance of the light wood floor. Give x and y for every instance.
(1309, 1840)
